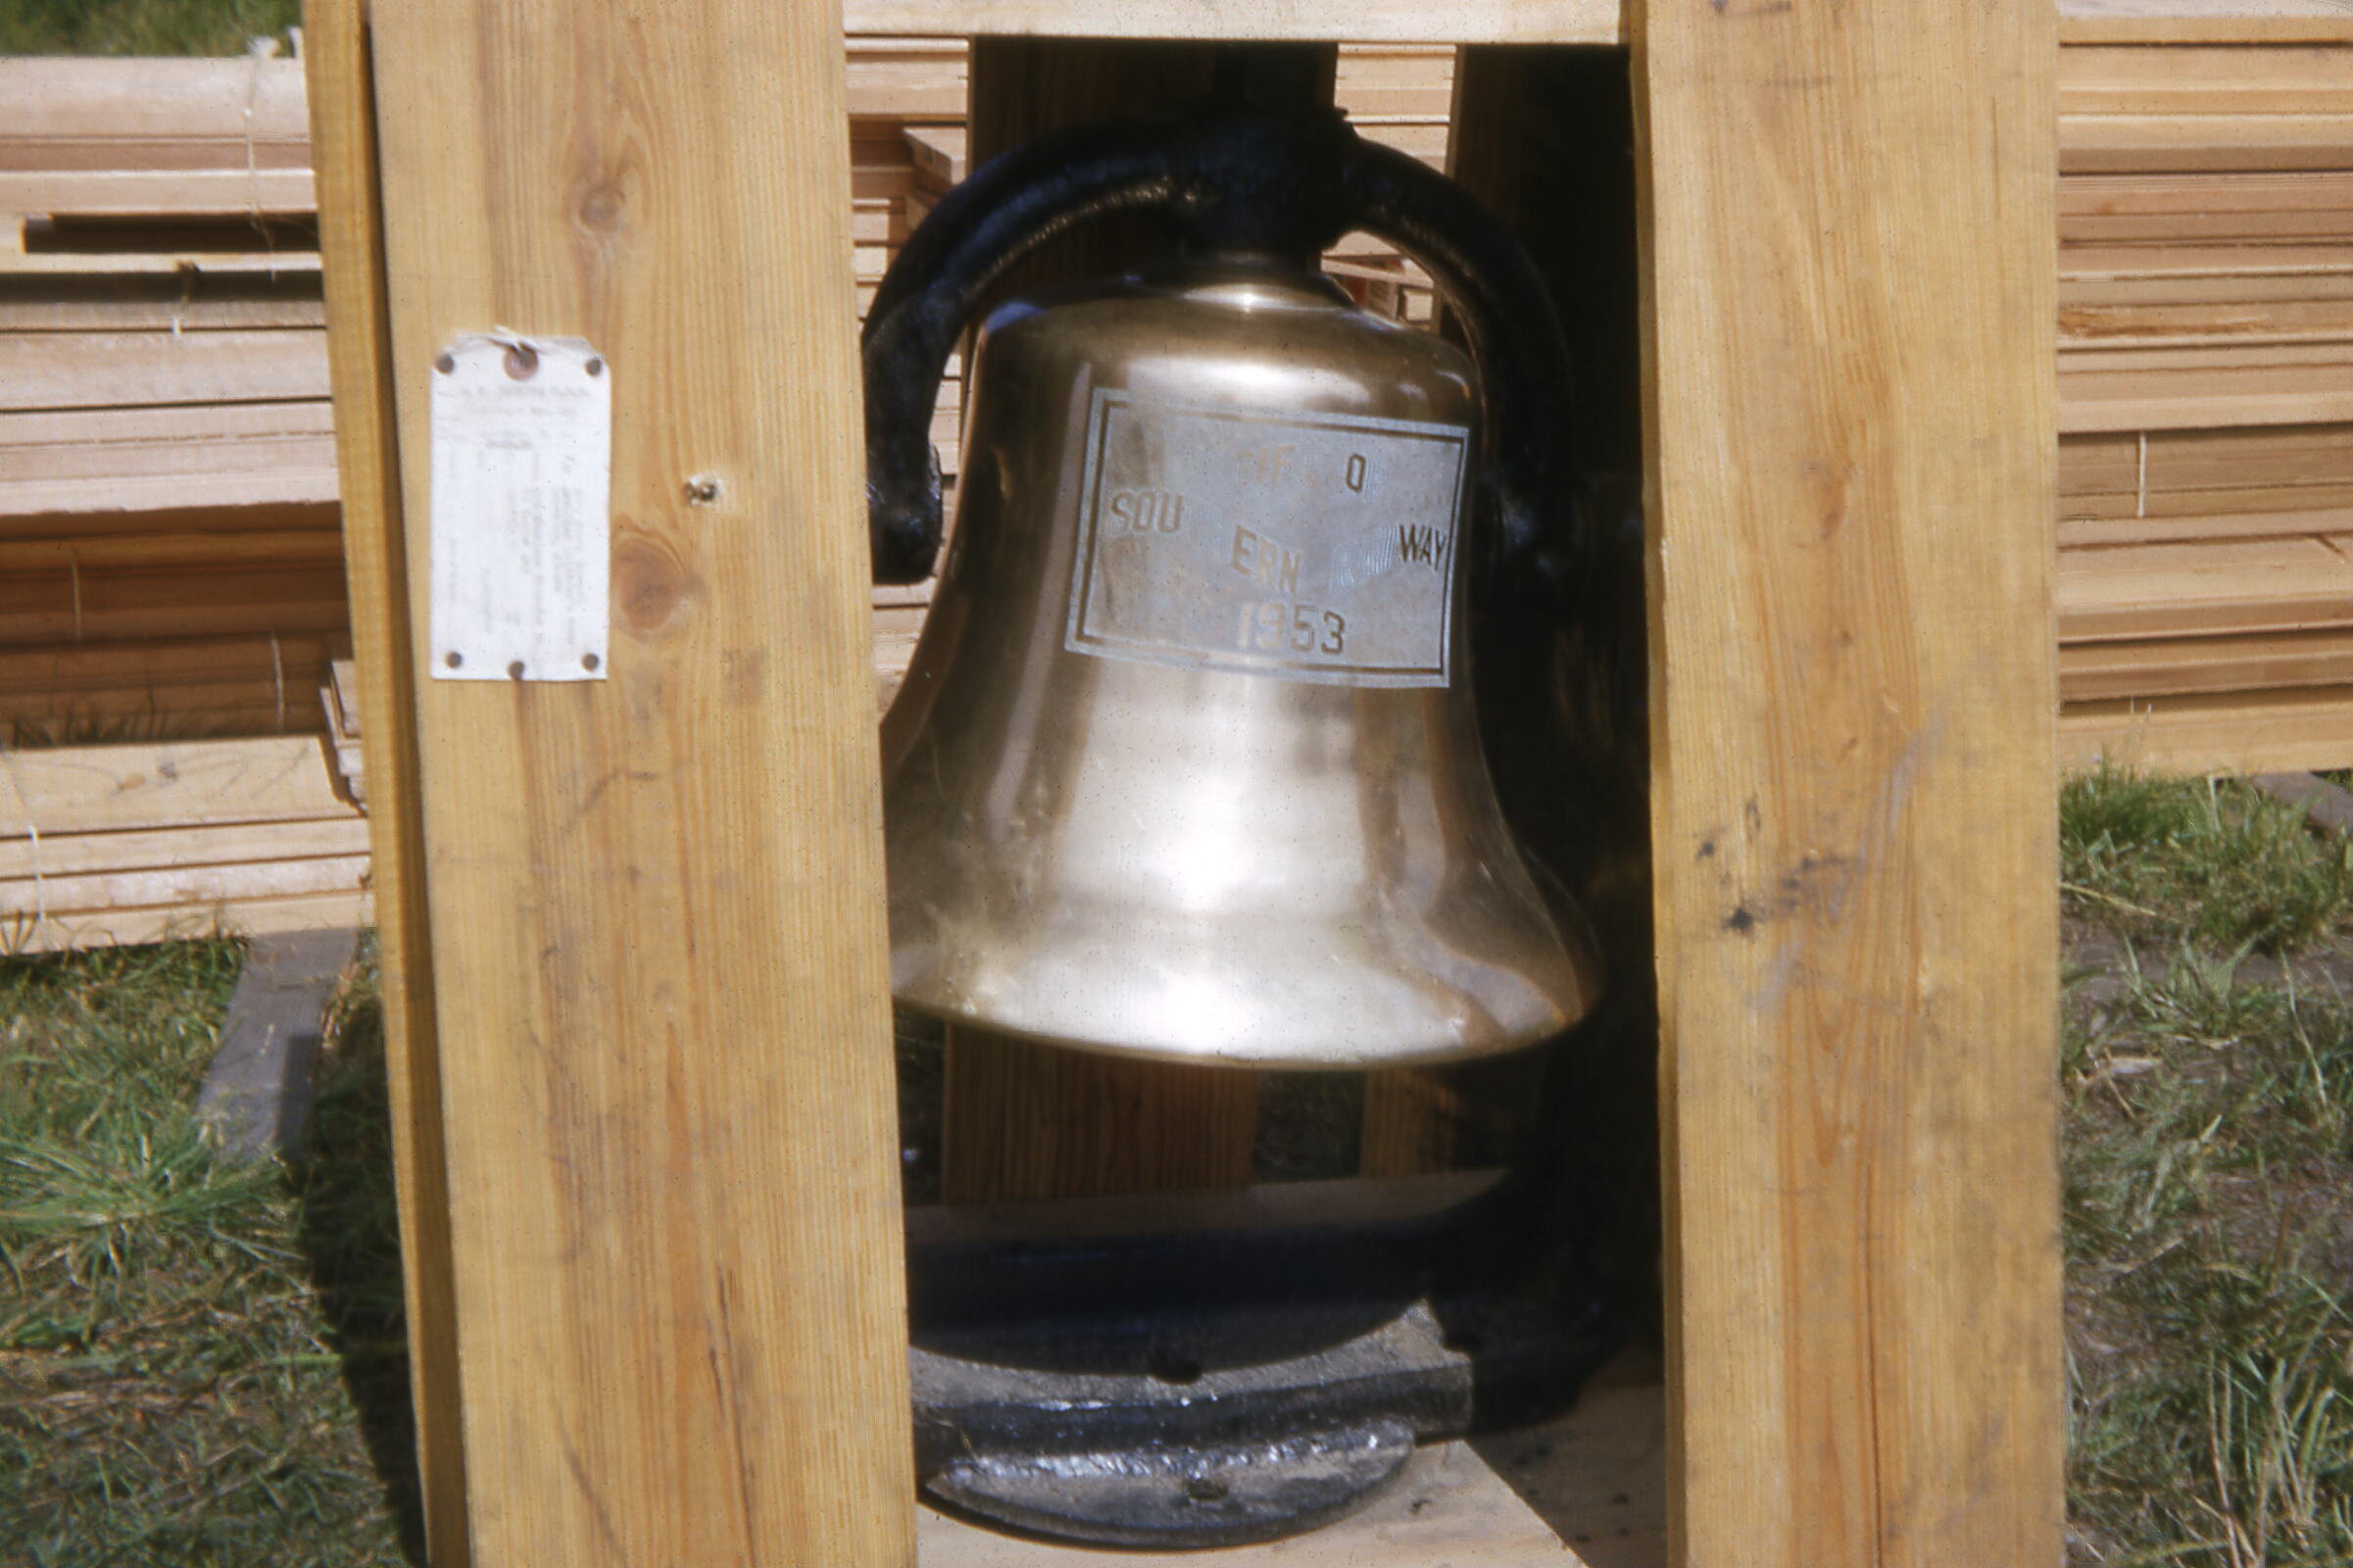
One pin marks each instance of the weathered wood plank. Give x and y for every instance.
(1848, 222)
(87, 853)
(2181, 461)
(2170, 528)
(351, 242)
(2171, 666)
(180, 886)
(196, 548)
(54, 98)
(327, 912)
(2229, 732)
(121, 788)
(1245, 20)
(655, 900)
(70, 605)
(2194, 22)
(2150, 590)
(137, 304)
(82, 461)
(116, 370)
(149, 690)
(144, 192)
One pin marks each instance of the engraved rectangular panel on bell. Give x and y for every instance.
(1315, 547)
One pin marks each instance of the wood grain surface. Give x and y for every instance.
(351, 242)
(1313, 21)
(655, 900)
(1848, 223)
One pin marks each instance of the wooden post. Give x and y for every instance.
(375, 553)
(1022, 1120)
(1544, 137)
(652, 903)
(1847, 220)
(1031, 1121)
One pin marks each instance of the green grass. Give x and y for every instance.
(201, 1362)
(2218, 862)
(2209, 1181)
(141, 27)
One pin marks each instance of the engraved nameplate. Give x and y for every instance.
(521, 517)
(1311, 547)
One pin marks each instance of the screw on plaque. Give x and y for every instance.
(522, 361)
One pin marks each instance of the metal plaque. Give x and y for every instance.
(1307, 547)
(521, 525)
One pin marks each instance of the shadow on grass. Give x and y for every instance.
(351, 1237)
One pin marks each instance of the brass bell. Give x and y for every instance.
(1186, 763)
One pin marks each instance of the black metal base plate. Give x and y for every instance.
(1082, 1374)
(1181, 1498)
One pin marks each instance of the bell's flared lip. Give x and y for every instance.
(1284, 1045)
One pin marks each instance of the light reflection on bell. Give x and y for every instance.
(1186, 763)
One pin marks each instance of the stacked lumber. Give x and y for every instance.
(140, 843)
(2205, 586)
(171, 558)
(170, 552)
(170, 561)
(903, 93)
(1402, 96)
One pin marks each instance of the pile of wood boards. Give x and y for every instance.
(2206, 392)
(905, 94)
(1402, 96)
(170, 557)
(138, 842)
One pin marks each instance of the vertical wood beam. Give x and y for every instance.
(1543, 136)
(1848, 222)
(657, 925)
(1021, 1121)
(1030, 1121)
(350, 243)
(1409, 1125)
